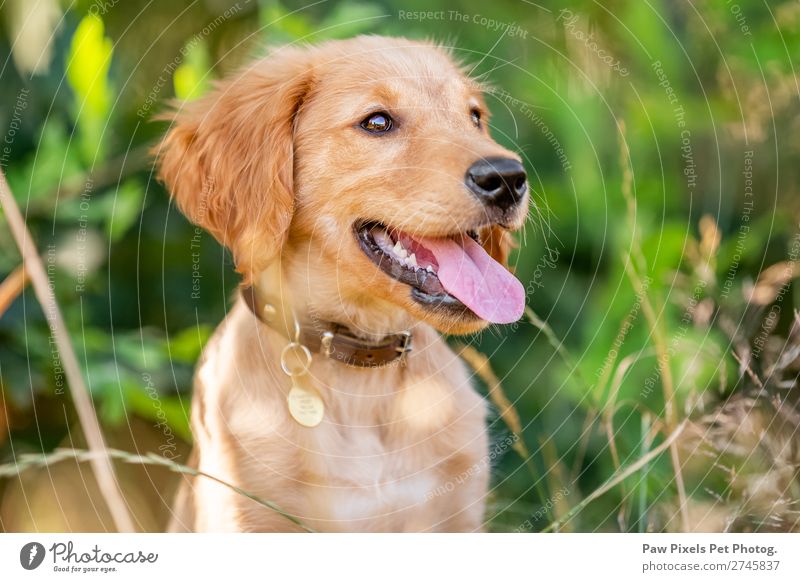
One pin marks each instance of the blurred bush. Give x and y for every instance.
(635, 120)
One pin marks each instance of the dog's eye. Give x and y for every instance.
(377, 123)
(476, 117)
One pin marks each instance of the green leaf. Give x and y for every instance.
(127, 207)
(186, 345)
(106, 381)
(145, 401)
(191, 78)
(142, 353)
(88, 63)
(54, 163)
(350, 19)
(280, 25)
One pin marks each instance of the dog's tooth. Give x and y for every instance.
(412, 260)
(382, 238)
(429, 268)
(399, 250)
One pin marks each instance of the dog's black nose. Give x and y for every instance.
(497, 182)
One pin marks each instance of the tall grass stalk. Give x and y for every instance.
(32, 264)
(574, 370)
(656, 331)
(644, 449)
(508, 413)
(617, 478)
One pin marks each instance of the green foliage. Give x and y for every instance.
(88, 64)
(191, 77)
(125, 260)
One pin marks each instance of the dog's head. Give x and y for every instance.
(366, 167)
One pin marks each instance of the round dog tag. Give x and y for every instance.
(305, 403)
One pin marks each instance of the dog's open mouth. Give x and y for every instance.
(452, 272)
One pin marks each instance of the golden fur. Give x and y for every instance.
(272, 163)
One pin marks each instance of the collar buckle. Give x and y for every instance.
(326, 342)
(405, 345)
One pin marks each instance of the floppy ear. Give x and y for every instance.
(498, 242)
(227, 158)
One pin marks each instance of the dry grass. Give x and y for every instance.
(32, 265)
(39, 461)
(11, 287)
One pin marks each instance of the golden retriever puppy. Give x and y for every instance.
(367, 209)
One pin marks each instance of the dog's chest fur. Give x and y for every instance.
(401, 448)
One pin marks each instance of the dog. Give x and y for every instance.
(368, 210)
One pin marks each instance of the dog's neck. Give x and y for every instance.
(271, 302)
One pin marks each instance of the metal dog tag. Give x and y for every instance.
(305, 403)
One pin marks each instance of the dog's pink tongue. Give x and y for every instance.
(467, 272)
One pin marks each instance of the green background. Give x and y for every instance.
(80, 83)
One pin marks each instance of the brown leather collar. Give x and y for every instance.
(336, 341)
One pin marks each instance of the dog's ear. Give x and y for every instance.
(498, 242)
(227, 158)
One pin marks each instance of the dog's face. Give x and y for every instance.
(367, 168)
